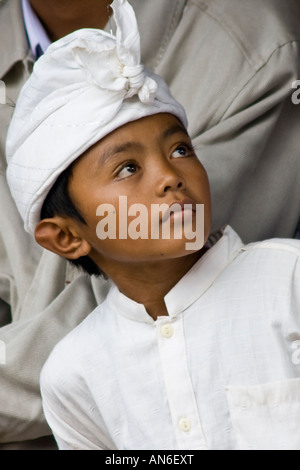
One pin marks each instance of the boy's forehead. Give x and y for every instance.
(138, 134)
(131, 138)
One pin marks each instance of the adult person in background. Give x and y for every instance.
(232, 65)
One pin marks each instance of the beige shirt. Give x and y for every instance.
(232, 65)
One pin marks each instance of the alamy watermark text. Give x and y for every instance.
(161, 221)
(296, 94)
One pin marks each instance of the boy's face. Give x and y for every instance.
(147, 162)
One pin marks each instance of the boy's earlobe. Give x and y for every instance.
(56, 235)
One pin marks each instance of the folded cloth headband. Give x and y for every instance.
(87, 85)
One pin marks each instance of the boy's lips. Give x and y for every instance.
(177, 208)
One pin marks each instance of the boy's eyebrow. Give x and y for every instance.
(114, 150)
(175, 130)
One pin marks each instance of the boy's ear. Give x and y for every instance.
(60, 237)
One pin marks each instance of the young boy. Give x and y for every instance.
(194, 348)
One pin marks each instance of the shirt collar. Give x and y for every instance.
(191, 287)
(37, 36)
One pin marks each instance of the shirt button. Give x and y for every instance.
(185, 424)
(167, 331)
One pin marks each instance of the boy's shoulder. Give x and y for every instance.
(276, 246)
(71, 353)
(272, 261)
(273, 247)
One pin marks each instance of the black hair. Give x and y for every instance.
(58, 203)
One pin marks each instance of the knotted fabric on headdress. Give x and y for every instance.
(87, 85)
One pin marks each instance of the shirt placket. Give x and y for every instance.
(179, 388)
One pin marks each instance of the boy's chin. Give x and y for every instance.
(177, 249)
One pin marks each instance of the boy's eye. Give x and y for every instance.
(182, 151)
(127, 170)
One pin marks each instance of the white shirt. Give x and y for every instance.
(221, 372)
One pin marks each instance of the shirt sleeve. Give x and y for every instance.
(69, 408)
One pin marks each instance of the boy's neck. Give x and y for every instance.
(149, 284)
(61, 18)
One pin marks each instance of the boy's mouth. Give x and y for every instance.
(179, 210)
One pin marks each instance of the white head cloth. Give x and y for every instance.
(87, 85)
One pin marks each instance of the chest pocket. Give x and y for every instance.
(266, 417)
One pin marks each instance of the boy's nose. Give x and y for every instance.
(169, 180)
